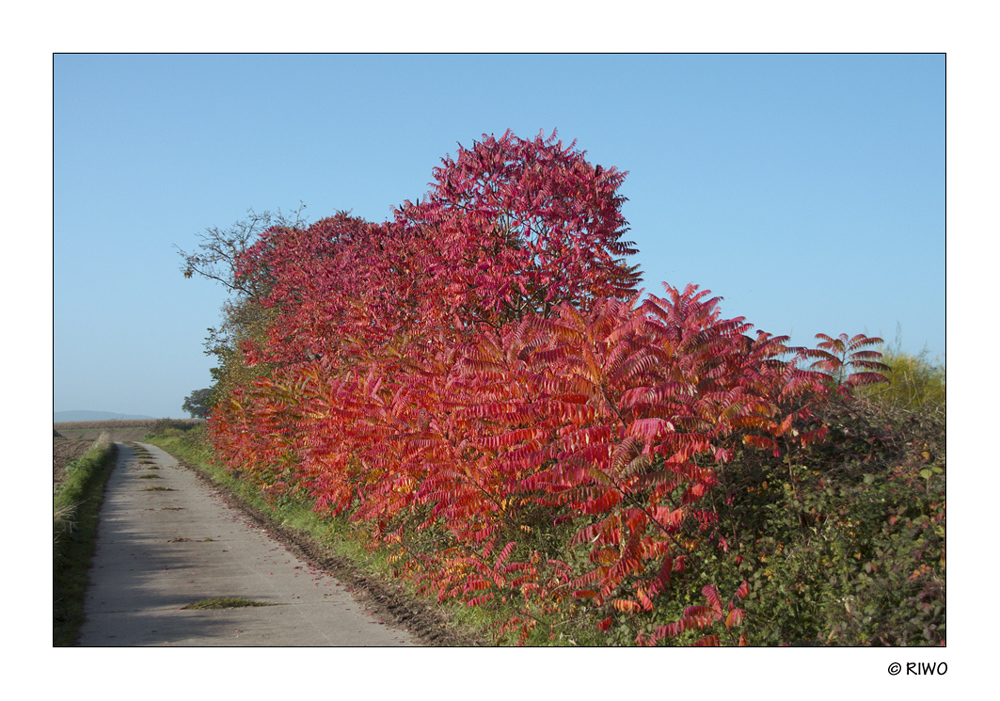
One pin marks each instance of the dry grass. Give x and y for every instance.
(123, 430)
(130, 423)
(65, 451)
(75, 514)
(224, 602)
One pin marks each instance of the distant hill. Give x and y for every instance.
(83, 415)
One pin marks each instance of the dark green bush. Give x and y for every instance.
(844, 542)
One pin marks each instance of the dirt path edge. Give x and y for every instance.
(386, 601)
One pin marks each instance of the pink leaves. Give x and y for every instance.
(482, 366)
(652, 430)
(535, 212)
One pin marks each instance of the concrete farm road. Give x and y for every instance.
(167, 540)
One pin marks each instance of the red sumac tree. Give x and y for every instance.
(480, 384)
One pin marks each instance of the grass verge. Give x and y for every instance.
(224, 602)
(841, 543)
(74, 531)
(344, 539)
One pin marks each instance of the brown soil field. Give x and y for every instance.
(65, 451)
(74, 438)
(92, 434)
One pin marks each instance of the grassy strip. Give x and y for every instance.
(224, 602)
(344, 539)
(74, 531)
(841, 543)
(285, 511)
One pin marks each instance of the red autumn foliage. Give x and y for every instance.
(481, 367)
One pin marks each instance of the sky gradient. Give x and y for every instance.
(807, 190)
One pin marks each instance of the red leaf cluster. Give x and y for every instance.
(481, 369)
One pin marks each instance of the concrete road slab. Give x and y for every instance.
(167, 540)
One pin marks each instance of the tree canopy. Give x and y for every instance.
(198, 403)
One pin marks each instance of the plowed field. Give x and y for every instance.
(65, 451)
(73, 439)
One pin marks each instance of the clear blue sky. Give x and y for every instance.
(807, 190)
